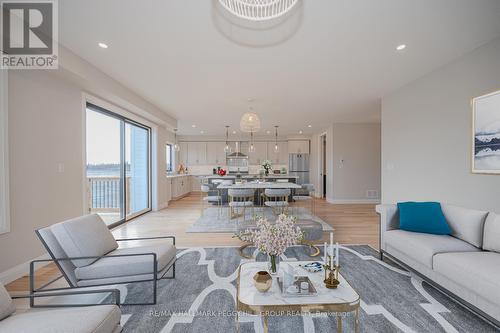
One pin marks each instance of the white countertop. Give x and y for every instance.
(178, 175)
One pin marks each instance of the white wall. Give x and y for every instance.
(358, 145)
(426, 134)
(46, 124)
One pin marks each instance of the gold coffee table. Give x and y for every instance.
(340, 301)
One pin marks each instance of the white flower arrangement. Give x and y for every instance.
(267, 165)
(274, 238)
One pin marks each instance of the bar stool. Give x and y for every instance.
(207, 198)
(240, 198)
(305, 194)
(277, 199)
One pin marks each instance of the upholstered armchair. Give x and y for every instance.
(76, 318)
(88, 255)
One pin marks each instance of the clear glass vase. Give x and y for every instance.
(273, 264)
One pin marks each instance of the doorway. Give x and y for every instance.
(118, 168)
(323, 165)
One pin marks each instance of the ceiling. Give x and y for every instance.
(328, 61)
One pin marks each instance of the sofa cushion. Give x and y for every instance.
(6, 305)
(422, 247)
(84, 236)
(477, 271)
(491, 241)
(424, 217)
(466, 224)
(92, 319)
(131, 265)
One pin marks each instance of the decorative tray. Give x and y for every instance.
(311, 292)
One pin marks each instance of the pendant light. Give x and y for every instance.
(251, 149)
(227, 148)
(276, 146)
(176, 145)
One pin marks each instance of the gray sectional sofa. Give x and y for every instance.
(466, 263)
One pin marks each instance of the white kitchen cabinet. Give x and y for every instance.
(197, 153)
(259, 155)
(298, 147)
(215, 153)
(283, 155)
(195, 184)
(278, 158)
(181, 186)
(182, 154)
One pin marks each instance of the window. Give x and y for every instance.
(169, 158)
(118, 166)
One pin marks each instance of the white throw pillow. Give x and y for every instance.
(6, 305)
(83, 237)
(465, 224)
(491, 240)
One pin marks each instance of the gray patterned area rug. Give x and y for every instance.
(202, 298)
(214, 221)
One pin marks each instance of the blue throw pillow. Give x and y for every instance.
(426, 217)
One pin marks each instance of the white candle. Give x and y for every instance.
(337, 257)
(331, 249)
(326, 255)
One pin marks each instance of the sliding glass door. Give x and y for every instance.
(118, 166)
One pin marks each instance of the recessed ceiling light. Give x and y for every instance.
(300, 132)
(193, 126)
(309, 126)
(102, 45)
(401, 47)
(201, 132)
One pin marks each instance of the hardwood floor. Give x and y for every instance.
(353, 224)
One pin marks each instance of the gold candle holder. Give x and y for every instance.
(331, 276)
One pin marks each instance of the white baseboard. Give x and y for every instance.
(20, 270)
(162, 206)
(353, 201)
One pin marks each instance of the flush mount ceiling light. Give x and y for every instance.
(401, 47)
(258, 10)
(250, 123)
(102, 45)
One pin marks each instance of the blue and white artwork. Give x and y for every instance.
(486, 148)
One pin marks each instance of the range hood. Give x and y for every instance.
(237, 153)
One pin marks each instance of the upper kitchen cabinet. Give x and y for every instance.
(215, 153)
(278, 158)
(182, 154)
(260, 154)
(298, 147)
(197, 153)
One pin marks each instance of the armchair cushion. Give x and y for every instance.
(491, 240)
(92, 319)
(84, 236)
(128, 266)
(6, 305)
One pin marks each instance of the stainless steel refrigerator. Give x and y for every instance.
(298, 165)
